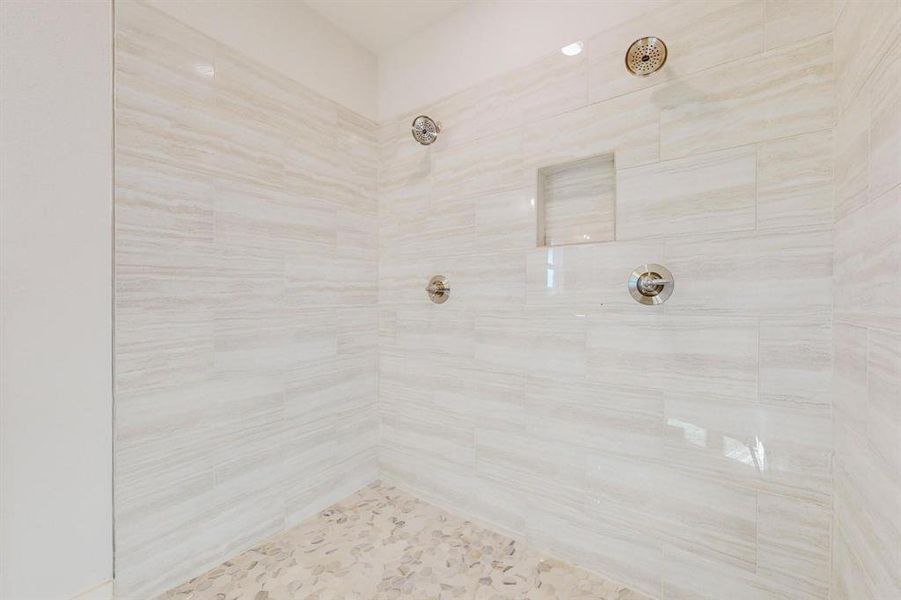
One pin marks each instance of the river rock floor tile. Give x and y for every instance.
(384, 544)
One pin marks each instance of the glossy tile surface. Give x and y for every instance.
(683, 449)
(383, 543)
(246, 290)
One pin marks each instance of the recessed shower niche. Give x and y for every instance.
(577, 202)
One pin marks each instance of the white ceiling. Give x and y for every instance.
(378, 25)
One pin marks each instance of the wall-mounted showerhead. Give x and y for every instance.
(425, 130)
(645, 56)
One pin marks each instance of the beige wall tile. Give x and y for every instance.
(764, 272)
(625, 126)
(678, 354)
(795, 181)
(863, 30)
(507, 221)
(884, 92)
(866, 558)
(588, 409)
(852, 134)
(699, 194)
(867, 263)
(783, 450)
(787, 21)
(794, 544)
(485, 166)
(883, 404)
(781, 93)
(795, 361)
(245, 243)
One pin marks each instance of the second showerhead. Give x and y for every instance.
(425, 130)
(645, 56)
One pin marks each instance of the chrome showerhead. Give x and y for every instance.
(645, 56)
(425, 130)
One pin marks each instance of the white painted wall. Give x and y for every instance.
(293, 39)
(483, 40)
(55, 257)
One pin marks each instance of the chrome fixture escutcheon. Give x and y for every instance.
(651, 284)
(438, 289)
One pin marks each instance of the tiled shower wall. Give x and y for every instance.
(867, 399)
(246, 336)
(683, 449)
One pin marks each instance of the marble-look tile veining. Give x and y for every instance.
(683, 449)
(382, 543)
(866, 519)
(246, 301)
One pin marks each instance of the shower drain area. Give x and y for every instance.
(577, 202)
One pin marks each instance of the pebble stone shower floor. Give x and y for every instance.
(382, 543)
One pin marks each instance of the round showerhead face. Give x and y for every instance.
(425, 130)
(645, 56)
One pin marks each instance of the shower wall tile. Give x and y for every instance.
(850, 386)
(681, 355)
(553, 85)
(865, 32)
(496, 278)
(587, 536)
(852, 138)
(685, 449)
(866, 561)
(533, 340)
(246, 302)
(605, 420)
(884, 93)
(626, 126)
(795, 181)
(865, 513)
(794, 544)
(883, 407)
(795, 361)
(767, 273)
(707, 193)
(848, 579)
(714, 521)
(783, 92)
(490, 165)
(685, 576)
(781, 450)
(787, 21)
(868, 263)
(700, 34)
(506, 221)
